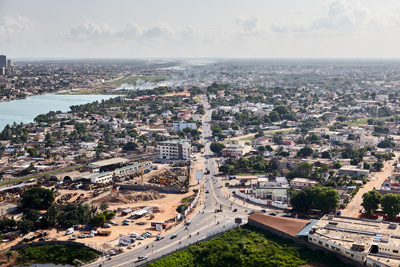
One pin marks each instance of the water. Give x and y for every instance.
(25, 110)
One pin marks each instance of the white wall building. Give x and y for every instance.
(179, 126)
(175, 149)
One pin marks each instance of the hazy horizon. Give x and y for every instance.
(207, 29)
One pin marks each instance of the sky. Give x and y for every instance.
(200, 29)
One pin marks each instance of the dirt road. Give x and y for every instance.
(377, 178)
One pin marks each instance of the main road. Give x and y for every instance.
(205, 222)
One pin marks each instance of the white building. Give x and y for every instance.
(175, 149)
(179, 126)
(99, 178)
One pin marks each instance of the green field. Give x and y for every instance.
(364, 121)
(248, 246)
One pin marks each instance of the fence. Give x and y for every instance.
(262, 201)
(208, 237)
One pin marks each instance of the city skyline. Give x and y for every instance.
(173, 29)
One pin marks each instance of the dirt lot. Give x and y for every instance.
(164, 208)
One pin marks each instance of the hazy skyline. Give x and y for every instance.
(261, 29)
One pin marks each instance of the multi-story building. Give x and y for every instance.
(175, 149)
(373, 243)
(179, 126)
(3, 61)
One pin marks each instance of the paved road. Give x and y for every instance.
(203, 223)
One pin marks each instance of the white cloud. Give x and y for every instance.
(248, 24)
(90, 30)
(288, 27)
(13, 25)
(344, 15)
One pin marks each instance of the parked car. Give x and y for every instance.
(106, 225)
(82, 235)
(235, 210)
(272, 213)
(112, 252)
(134, 235)
(173, 236)
(264, 211)
(140, 238)
(69, 231)
(72, 237)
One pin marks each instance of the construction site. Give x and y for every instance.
(136, 210)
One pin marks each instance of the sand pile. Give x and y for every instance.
(128, 197)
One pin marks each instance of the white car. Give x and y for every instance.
(69, 231)
(134, 235)
(143, 258)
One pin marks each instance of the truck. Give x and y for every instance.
(163, 224)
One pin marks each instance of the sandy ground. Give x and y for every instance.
(377, 178)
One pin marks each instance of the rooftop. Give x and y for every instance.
(107, 162)
(289, 226)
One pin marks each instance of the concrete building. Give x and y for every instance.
(3, 61)
(300, 183)
(99, 178)
(235, 151)
(351, 170)
(373, 243)
(179, 126)
(134, 168)
(175, 149)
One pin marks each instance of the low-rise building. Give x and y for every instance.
(351, 170)
(235, 151)
(300, 183)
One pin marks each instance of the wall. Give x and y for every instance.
(161, 189)
(300, 241)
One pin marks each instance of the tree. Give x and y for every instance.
(325, 199)
(391, 205)
(366, 166)
(305, 151)
(225, 168)
(98, 220)
(261, 149)
(32, 215)
(217, 147)
(304, 169)
(302, 201)
(378, 166)
(103, 206)
(50, 217)
(371, 201)
(269, 148)
(130, 146)
(37, 198)
(25, 225)
(181, 208)
(337, 165)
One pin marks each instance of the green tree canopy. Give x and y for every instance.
(37, 198)
(391, 205)
(217, 147)
(371, 201)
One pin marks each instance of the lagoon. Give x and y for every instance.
(25, 110)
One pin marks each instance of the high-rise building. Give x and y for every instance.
(3, 61)
(9, 64)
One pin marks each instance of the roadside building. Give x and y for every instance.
(175, 149)
(351, 170)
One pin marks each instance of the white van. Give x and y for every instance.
(69, 231)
